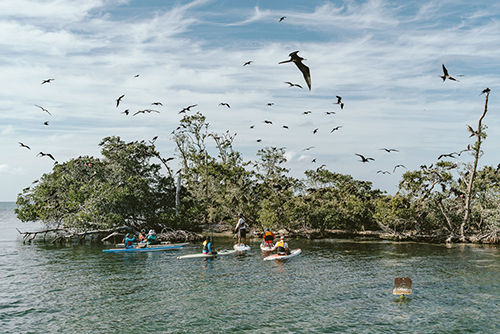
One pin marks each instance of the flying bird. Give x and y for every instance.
(389, 150)
(285, 126)
(118, 100)
(307, 112)
(46, 123)
(339, 101)
(146, 111)
(450, 155)
(47, 81)
(270, 104)
(157, 104)
(36, 105)
(126, 112)
(314, 131)
(46, 155)
(403, 166)
(446, 75)
(225, 104)
(383, 171)
(313, 161)
(336, 128)
(293, 85)
(307, 148)
(363, 159)
(24, 145)
(330, 112)
(282, 18)
(295, 58)
(248, 63)
(268, 122)
(136, 76)
(259, 140)
(252, 126)
(188, 108)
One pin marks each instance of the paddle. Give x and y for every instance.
(402, 286)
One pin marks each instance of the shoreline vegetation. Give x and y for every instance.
(127, 190)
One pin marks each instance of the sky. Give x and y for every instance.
(384, 58)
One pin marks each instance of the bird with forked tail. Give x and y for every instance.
(295, 58)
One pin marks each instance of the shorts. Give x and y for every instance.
(242, 233)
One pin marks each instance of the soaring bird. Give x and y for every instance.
(339, 101)
(225, 104)
(146, 111)
(403, 166)
(46, 155)
(36, 105)
(446, 75)
(126, 112)
(252, 126)
(389, 150)
(330, 112)
(46, 123)
(188, 108)
(313, 161)
(314, 131)
(248, 63)
(118, 100)
(47, 81)
(136, 76)
(307, 112)
(270, 104)
(259, 140)
(293, 85)
(282, 18)
(157, 104)
(336, 128)
(285, 126)
(486, 90)
(268, 122)
(383, 171)
(363, 159)
(295, 58)
(24, 145)
(450, 155)
(307, 148)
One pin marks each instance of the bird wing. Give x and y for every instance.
(305, 72)
(445, 71)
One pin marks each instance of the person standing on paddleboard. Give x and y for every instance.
(282, 247)
(241, 229)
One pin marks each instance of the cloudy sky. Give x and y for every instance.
(383, 57)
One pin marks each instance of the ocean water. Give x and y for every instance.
(334, 286)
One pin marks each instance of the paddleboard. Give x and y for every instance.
(241, 248)
(206, 256)
(293, 253)
(265, 247)
(153, 248)
(163, 243)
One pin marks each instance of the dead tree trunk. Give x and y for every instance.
(477, 151)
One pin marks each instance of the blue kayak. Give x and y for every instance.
(149, 248)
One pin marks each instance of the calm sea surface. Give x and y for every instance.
(334, 286)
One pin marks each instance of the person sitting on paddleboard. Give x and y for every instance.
(142, 236)
(282, 247)
(151, 238)
(129, 240)
(241, 229)
(208, 246)
(268, 238)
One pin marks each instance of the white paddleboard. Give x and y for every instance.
(241, 248)
(293, 253)
(265, 248)
(206, 256)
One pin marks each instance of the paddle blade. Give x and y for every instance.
(402, 286)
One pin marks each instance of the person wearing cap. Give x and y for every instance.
(142, 236)
(208, 246)
(281, 247)
(129, 240)
(241, 229)
(268, 238)
(151, 238)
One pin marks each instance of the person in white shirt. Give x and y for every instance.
(241, 229)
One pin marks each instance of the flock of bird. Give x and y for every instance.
(306, 73)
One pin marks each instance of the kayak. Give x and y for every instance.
(293, 253)
(150, 248)
(163, 243)
(206, 256)
(241, 248)
(266, 248)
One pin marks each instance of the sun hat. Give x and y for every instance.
(152, 232)
(282, 237)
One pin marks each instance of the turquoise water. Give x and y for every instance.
(334, 286)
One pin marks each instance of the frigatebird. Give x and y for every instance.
(118, 100)
(293, 85)
(336, 128)
(47, 81)
(339, 101)
(446, 75)
(146, 111)
(24, 145)
(225, 104)
(282, 18)
(397, 167)
(36, 105)
(248, 63)
(295, 58)
(188, 108)
(46, 154)
(486, 90)
(383, 171)
(389, 150)
(363, 159)
(315, 130)
(157, 104)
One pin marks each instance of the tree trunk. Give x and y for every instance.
(477, 151)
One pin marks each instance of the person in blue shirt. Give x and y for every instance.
(151, 238)
(129, 240)
(208, 246)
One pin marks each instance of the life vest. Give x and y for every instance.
(280, 246)
(268, 236)
(207, 247)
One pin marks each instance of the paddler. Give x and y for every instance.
(151, 238)
(282, 247)
(268, 238)
(241, 229)
(142, 236)
(129, 240)
(208, 246)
